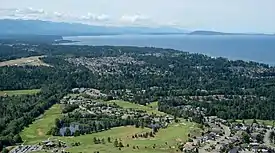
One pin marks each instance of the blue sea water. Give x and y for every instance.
(249, 48)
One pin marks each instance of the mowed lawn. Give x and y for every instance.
(38, 129)
(166, 140)
(19, 92)
(176, 133)
(128, 105)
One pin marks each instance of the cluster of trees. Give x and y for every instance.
(179, 107)
(272, 136)
(69, 108)
(246, 137)
(90, 123)
(145, 135)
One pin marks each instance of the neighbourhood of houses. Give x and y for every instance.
(98, 107)
(222, 136)
(47, 145)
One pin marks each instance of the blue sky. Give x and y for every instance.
(220, 15)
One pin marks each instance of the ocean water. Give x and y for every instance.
(249, 48)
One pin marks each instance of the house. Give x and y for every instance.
(234, 150)
(189, 147)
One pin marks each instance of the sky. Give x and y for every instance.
(253, 16)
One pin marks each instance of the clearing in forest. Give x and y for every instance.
(31, 61)
(19, 92)
(128, 105)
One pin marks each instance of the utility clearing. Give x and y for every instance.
(19, 92)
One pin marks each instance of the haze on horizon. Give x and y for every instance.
(252, 16)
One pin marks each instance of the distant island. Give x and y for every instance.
(223, 33)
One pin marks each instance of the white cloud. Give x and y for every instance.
(89, 18)
(94, 17)
(26, 13)
(58, 14)
(31, 11)
(133, 18)
(102, 17)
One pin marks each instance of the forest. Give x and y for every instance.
(142, 75)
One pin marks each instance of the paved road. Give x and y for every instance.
(227, 134)
(267, 140)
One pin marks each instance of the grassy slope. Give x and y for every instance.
(19, 92)
(32, 61)
(37, 131)
(174, 134)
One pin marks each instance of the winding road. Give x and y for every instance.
(227, 134)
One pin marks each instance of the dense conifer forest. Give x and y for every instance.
(220, 87)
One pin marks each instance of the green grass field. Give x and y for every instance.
(153, 105)
(19, 92)
(175, 133)
(38, 129)
(128, 105)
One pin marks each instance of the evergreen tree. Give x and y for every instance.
(103, 141)
(116, 143)
(17, 138)
(77, 133)
(120, 145)
(5, 150)
(109, 140)
(95, 140)
(67, 132)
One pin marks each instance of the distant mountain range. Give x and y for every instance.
(38, 27)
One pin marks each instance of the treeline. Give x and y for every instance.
(231, 107)
(16, 51)
(17, 112)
